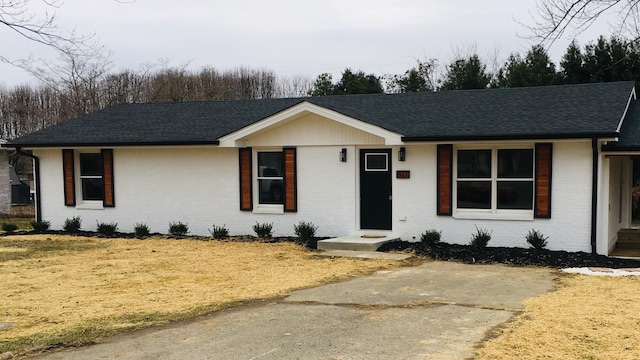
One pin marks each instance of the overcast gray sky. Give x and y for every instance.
(294, 37)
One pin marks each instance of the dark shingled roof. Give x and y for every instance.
(629, 139)
(569, 111)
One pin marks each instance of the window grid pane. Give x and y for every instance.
(516, 195)
(91, 164)
(515, 163)
(474, 194)
(92, 189)
(474, 164)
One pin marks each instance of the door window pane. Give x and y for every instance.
(376, 162)
(474, 164)
(474, 194)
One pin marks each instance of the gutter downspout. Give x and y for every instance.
(36, 170)
(594, 195)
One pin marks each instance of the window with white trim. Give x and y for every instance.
(494, 180)
(270, 177)
(91, 172)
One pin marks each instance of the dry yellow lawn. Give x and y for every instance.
(587, 317)
(87, 283)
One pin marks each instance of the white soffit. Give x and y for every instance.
(239, 137)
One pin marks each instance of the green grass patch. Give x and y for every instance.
(11, 249)
(24, 223)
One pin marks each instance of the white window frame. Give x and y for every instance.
(493, 213)
(82, 203)
(366, 162)
(264, 208)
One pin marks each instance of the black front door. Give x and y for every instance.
(375, 189)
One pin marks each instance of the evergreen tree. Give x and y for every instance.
(573, 71)
(464, 74)
(535, 69)
(357, 83)
(416, 79)
(323, 85)
(350, 83)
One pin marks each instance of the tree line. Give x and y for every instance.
(79, 87)
(25, 108)
(605, 60)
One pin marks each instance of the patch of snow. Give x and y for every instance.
(593, 271)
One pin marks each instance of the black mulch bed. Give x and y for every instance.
(511, 256)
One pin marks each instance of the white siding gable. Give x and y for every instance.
(312, 129)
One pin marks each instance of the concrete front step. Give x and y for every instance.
(355, 243)
(365, 255)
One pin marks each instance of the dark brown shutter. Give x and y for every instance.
(544, 154)
(107, 178)
(246, 193)
(290, 192)
(69, 177)
(445, 179)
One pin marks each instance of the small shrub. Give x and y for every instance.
(480, 239)
(219, 232)
(9, 227)
(263, 230)
(40, 226)
(72, 225)
(141, 230)
(536, 239)
(178, 228)
(430, 237)
(305, 231)
(107, 229)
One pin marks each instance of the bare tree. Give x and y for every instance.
(555, 17)
(20, 17)
(77, 77)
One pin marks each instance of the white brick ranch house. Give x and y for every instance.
(558, 159)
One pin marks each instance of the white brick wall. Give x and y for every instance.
(568, 228)
(200, 186)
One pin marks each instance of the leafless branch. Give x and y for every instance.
(20, 17)
(555, 17)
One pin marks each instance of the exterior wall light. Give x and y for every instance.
(402, 154)
(343, 155)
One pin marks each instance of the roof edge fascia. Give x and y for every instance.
(108, 144)
(632, 96)
(600, 136)
(235, 139)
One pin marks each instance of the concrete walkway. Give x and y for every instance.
(437, 310)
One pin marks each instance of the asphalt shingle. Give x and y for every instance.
(570, 111)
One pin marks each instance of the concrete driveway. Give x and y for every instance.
(438, 310)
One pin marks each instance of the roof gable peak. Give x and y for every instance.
(239, 137)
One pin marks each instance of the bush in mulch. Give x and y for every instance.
(510, 256)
